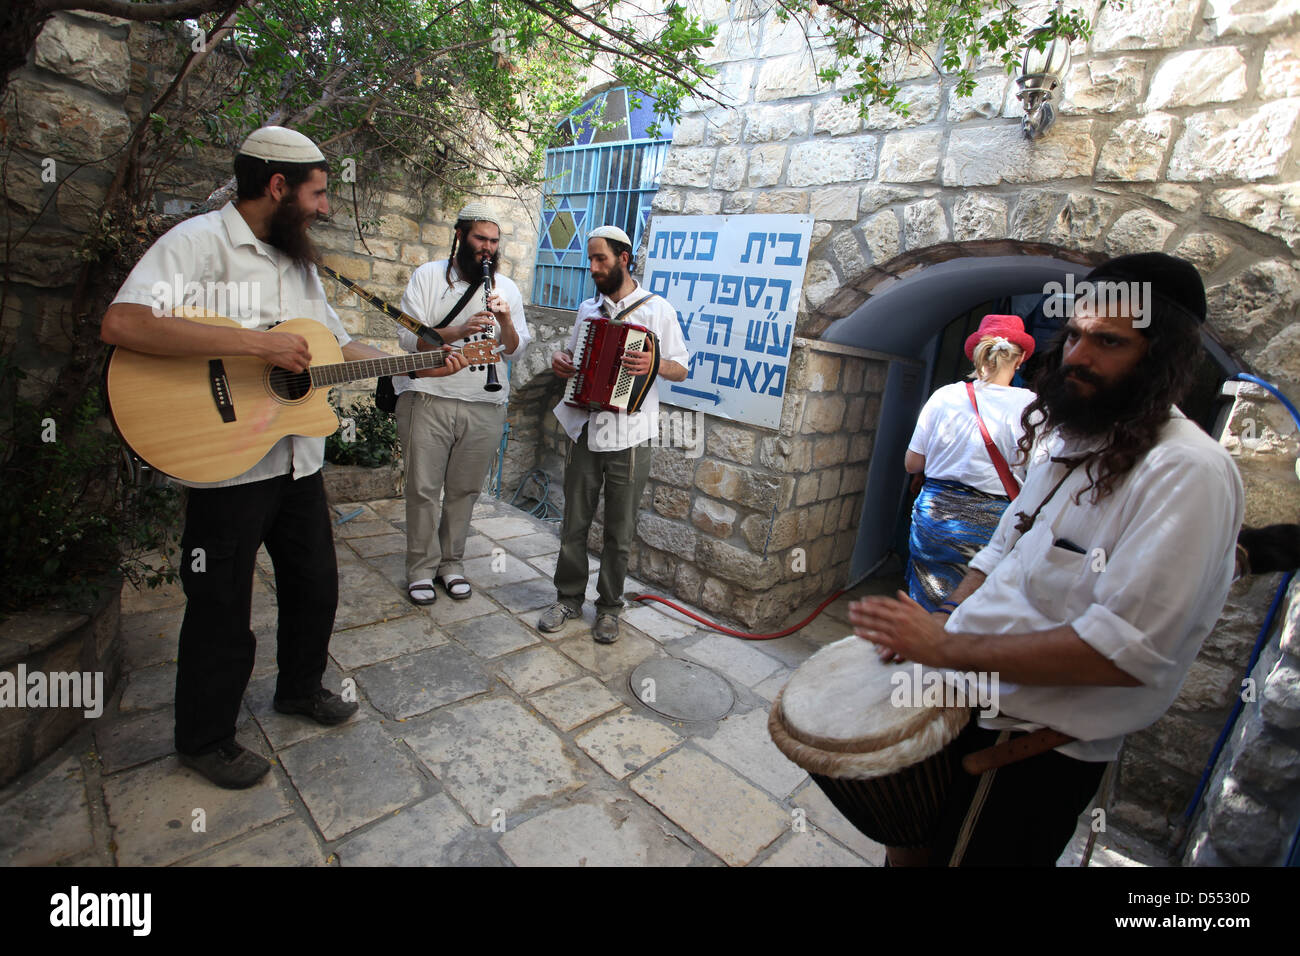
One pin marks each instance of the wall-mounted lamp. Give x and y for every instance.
(1042, 78)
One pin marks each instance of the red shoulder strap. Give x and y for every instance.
(1009, 483)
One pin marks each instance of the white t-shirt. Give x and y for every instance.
(429, 299)
(1143, 584)
(612, 431)
(948, 434)
(236, 274)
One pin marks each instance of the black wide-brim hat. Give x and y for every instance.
(1173, 280)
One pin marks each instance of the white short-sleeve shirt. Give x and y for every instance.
(948, 434)
(215, 262)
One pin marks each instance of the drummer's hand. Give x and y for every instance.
(900, 626)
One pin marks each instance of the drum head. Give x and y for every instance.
(840, 715)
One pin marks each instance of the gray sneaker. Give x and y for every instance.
(605, 630)
(230, 766)
(555, 617)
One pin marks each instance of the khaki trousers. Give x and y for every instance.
(447, 447)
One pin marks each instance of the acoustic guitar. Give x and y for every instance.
(208, 419)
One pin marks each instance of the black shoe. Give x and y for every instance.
(324, 707)
(230, 766)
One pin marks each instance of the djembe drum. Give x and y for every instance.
(886, 768)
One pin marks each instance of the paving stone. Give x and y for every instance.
(345, 508)
(545, 563)
(536, 668)
(352, 776)
(659, 626)
(48, 819)
(493, 635)
(742, 742)
(505, 527)
(366, 596)
(360, 646)
(127, 741)
(362, 527)
(149, 688)
(288, 842)
(610, 830)
(526, 595)
(371, 547)
(285, 730)
(625, 742)
(493, 754)
(389, 508)
(769, 688)
(531, 545)
(571, 705)
(392, 568)
(732, 818)
(141, 600)
(151, 638)
(811, 848)
(608, 661)
(447, 612)
(419, 682)
(434, 832)
(823, 815)
(151, 810)
(734, 658)
(498, 569)
(792, 650)
(477, 545)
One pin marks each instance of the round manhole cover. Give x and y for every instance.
(682, 690)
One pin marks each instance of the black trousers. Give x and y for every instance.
(1031, 810)
(224, 527)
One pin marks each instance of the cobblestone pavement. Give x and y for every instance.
(480, 741)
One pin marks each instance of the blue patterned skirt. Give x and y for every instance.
(951, 522)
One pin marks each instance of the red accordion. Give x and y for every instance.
(600, 383)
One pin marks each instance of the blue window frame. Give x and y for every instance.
(608, 174)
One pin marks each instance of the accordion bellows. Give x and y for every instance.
(601, 384)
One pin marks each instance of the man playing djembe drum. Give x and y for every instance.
(1093, 597)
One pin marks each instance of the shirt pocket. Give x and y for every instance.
(1057, 583)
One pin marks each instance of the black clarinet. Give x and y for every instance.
(492, 384)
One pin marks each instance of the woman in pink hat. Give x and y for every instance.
(965, 447)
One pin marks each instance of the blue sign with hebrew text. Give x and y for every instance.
(735, 282)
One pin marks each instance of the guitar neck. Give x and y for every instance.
(341, 372)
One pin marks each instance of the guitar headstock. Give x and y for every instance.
(481, 353)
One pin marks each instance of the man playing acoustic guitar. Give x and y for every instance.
(259, 242)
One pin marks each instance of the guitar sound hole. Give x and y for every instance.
(288, 386)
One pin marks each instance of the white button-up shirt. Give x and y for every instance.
(429, 298)
(1150, 584)
(612, 431)
(215, 262)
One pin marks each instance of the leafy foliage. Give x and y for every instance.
(376, 441)
(68, 512)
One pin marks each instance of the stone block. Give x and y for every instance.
(977, 216)
(985, 101)
(89, 56)
(1250, 308)
(1279, 76)
(986, 156)
(743, 743)
(608, 661)
(1196, 77)
(689, 131)
(433, 832)
(732, 443)
(666, 535)
(765, 124)
(782, 201)
(625, 742)
(732, 818)
(835, 203)
(1280, 703)
(1243, 829)
(1138, 231)
(723, 127)
(493, 635)
(1204, 250)
(1144, 27)
(924, 224)
(701, 204)
(1235, 143)
(692, 166)
(729, 173)
(732, 564)
(1232, 17)
(765, 164)
(713, 517)
(1269, 209)
(882, 235)
(767, 535)
(536, 668)
(837, 161)
(921, 103)
(672, 502)
(672, 467)
(784, 77)
(1135, 150)
(288, 842)
(1104, 86)
(418, 682)
(1081, 222)
(876, 196)
(823, 414)
(64, 122)
(836, 117)
(48, 820)
(911, 157)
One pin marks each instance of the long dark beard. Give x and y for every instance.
(287, 231)
(470, 266)
(613, 281)
(1086, 415)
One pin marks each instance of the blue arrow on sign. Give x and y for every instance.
(714, 397)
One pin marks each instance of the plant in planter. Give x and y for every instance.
(366, 437)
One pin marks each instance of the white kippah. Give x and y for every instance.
(275, 144)
(477, 212)
(610, 232)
